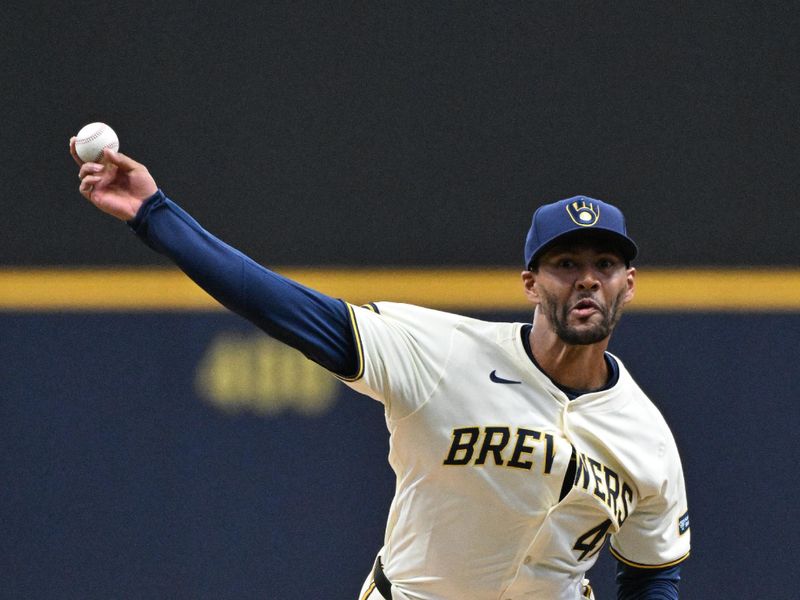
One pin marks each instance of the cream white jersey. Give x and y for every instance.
(481, 441)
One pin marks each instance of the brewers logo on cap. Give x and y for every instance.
(583, 213)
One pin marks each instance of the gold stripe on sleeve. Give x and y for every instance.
(359, 348)
(370, 589)
(631, 563)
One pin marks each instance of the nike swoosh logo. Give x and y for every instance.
(493, 376)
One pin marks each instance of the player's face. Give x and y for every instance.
(580, 289)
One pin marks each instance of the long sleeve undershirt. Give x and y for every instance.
(313, 323)
(305, 319)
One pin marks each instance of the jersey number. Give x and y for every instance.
(592, 541)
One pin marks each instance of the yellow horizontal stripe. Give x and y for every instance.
(137, 289)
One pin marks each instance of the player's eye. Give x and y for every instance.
(605, 263)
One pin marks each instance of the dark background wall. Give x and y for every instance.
(415, 133)
(351, 134)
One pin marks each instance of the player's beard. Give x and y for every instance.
(558, 315)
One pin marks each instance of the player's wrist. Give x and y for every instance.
(141, 208)
(134, 207)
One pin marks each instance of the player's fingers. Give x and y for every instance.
(89, 168)
(124, 162)
(91, 180)
(87, 187)
(73, 152)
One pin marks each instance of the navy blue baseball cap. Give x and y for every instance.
(577, 216)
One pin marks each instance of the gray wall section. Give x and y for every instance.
(323, 134)
(121, 479)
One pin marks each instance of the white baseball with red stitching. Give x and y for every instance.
(92, 139)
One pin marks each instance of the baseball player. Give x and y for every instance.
(520, 449)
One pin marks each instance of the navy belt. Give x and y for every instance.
(379, 577)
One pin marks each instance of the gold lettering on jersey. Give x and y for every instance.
(599, 486)
(495, 439)
(521, 448)
(494, 444)
(606, 485)
(462, 447)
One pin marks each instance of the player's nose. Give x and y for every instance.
(587, 279)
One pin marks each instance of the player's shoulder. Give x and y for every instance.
(412, 313)
(401, 310)
(639, 402)
(425, 322)
(641, 437)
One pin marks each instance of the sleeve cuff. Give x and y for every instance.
(631, 563)
(145, 208)
(359, 347)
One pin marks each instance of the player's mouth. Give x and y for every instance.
(585, 307)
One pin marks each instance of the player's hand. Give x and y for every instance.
(117, 186)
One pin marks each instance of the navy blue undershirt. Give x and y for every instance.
(313, 323)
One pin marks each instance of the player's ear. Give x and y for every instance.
(631, 281)
(529, 284)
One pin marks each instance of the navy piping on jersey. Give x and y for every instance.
(358, 345)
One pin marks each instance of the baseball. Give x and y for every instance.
(91, 140)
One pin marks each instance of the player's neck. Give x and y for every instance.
(578, 367)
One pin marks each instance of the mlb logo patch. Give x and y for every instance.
(683, 523)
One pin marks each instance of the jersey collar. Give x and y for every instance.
(572, 394)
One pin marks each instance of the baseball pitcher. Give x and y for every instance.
(520, 449)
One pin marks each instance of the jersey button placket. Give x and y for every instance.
(565, 423)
